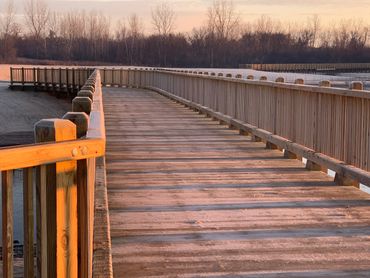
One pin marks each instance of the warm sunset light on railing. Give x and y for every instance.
(65, 181)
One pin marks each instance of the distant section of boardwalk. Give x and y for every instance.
(191, 198)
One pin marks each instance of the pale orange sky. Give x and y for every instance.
(192, 13)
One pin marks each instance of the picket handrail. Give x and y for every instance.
(68, 164)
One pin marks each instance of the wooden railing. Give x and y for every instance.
(330, 127)
(327, 121)
(64, 80)
(62, 165)
(321, 67)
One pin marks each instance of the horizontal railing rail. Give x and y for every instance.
(63, 80)
(331, 125)
(62, 166)
(331, 121)
(309, 67)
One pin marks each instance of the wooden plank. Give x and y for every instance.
(83, 218)
(90, 212)
(61, 203)
(81, 121)
(102, 263)
(28, 223)
(67, 223)
(188, 197)
(41, 222)
(7, 225)
(38, 154)
(323, 162)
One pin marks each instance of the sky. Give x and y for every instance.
(192, 13)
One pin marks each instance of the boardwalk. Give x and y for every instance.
(191, 198)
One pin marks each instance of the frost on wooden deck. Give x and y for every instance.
(189, 197)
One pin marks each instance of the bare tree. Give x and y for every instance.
(73, 29)
(135, 26)
(54, 24)
(163, 19)
(134, 34)
(8, 30)
(98, 33)
(314, 25)
(266, 25)
(8, 25)
(121, 31)
(223, 21)
(37, 16)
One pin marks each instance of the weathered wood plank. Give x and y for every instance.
(39, 154)
(7, 225)
(61, 203)
(28, 222)
(189, 197)
(41, 221)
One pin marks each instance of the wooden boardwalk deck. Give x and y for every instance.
(191, 198)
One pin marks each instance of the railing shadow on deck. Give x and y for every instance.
(65, 172)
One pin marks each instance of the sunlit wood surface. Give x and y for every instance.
(191, 198)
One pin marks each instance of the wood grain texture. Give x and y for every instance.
(41, 221)
(191, 198)
(61, 203)
(28, 223)
(46, 153)
(7, 225)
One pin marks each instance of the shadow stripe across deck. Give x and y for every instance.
(189, 197)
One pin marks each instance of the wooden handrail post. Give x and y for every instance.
(255, 138)
(342, 180)
(11, 77)
(85, 93)
(22, 79)
(120, 77)
(28, 228)
(81, 120)
(271, 146)
(356, 85)
(57, 236)
(299, 81)
(325, 83)
(82, 104)
(104, 78)
(280, 80)
(289, 155)
(60, 80)
(312, 166)
(73, 80)
(88, 87)
(7, 225)
(34, 78)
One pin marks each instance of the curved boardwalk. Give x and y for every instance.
(191, 198)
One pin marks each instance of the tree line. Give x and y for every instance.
(225, 39)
